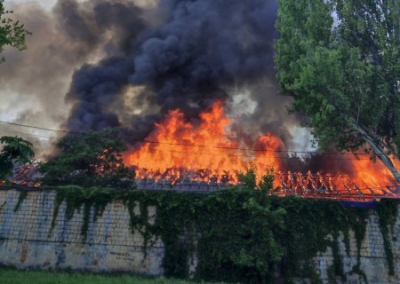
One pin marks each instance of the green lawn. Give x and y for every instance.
(11, 276)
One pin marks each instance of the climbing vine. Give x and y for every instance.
(387, 211)
(3, 205)
(238, 234)
(21, 197)
(76, 197)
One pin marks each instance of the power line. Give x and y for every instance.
(249, 156)
(243, 149)
(178, 144)
(244, 155)
(36, 127)
(191, 145)
(29, 134)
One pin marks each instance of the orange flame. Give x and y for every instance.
(209, 152)
(372, 176)
(177, 149)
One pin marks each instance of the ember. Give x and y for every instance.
(26, 175)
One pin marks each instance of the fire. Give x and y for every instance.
(373, 176)
(207, 152)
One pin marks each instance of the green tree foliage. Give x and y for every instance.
(248, 180)
(89, 159)
(12, 32)
(339, 60)
(14, 150)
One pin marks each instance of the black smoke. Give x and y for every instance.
(95, 87)
(205, 45)
(191, 58)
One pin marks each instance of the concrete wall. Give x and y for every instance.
(373, 260)
(26, 241)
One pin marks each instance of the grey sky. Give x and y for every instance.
(47, 4)
(34, 82)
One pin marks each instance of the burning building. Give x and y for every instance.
(191, 85)
(209, 153)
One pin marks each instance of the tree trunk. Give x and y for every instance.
(379, 152)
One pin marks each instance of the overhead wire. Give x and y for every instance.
(34, 127)
(194, 145)
(25, 133)
(199, 146)
(244, 149)
(250, 156)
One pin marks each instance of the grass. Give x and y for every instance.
(12, 276)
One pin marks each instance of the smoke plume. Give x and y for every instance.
(201, 52)
(96, 64)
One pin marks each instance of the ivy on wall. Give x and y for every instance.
(21, 197)
(238, 234)
(75, 197)
(387, 212)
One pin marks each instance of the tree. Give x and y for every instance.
(15, 151)
(12, 32)
(339, 60)
(91, 159)
(249, 180)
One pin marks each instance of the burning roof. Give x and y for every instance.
(210, 153)
(26, 175)
(194, 94)
(182, 156)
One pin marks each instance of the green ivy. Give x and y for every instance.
(3, 205)
(76, 197)
(21, 197)
(387, 211)
(139, 222)
(239, 234)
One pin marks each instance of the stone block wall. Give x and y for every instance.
(373, 261)
(27, 240)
